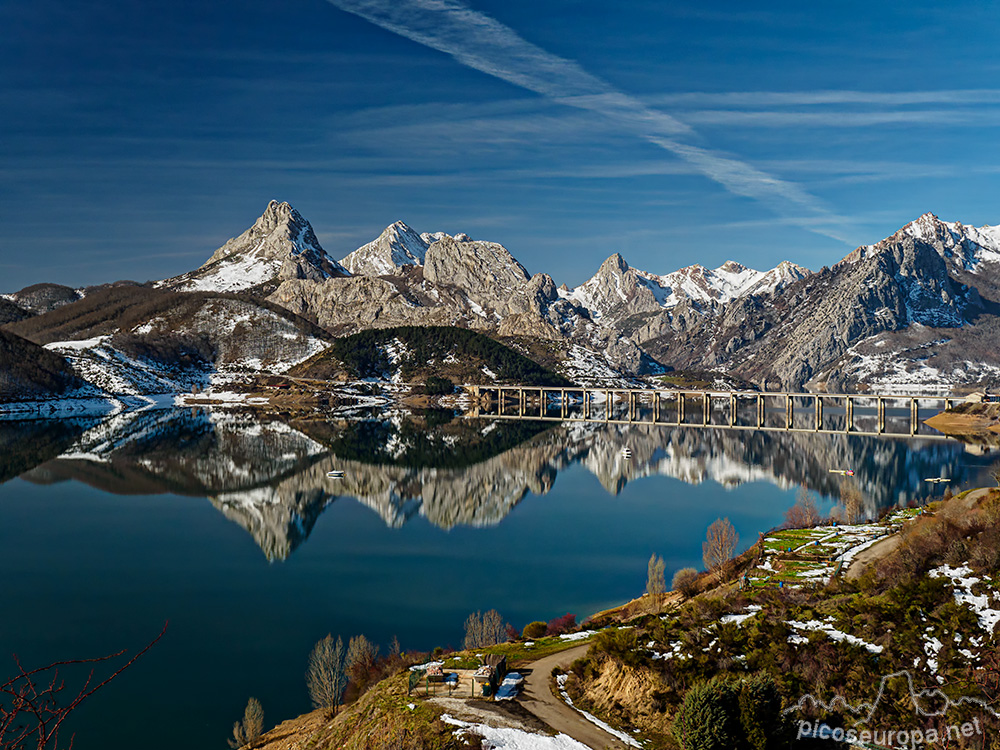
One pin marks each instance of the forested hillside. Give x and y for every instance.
(415, 353)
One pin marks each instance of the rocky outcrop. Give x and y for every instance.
(359, 302)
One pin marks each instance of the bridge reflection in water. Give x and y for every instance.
(857, 414)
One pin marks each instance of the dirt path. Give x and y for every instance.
(537, 697)
(867, 556)
(878, 551)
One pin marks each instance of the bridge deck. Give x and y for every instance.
(601, 404)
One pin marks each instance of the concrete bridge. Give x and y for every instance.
(859, 414)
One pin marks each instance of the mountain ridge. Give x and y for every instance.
(918, 309)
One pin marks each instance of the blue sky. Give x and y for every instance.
(136, 137)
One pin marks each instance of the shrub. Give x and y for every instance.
(708, 719)
(534, 629)
(685, 581)
(805, 512)
(764, 725)
(723, 714)
(560, 625)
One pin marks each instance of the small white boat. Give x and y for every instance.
(335, 474)
(937, 479)
(843, 472)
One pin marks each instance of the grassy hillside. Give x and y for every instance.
(930, 608)
(419, 352)
(28, 371)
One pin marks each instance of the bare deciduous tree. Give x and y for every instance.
(852, 501)
(995, 473)
(804, 513)
(656, 585)
(326, 677)
(485, 629)
(362, 656)
(719, 545)
(31, 708)
(247, 732)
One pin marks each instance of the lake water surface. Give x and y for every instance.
(230, 529)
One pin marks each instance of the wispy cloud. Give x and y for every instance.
(839, 96)
(483, 43)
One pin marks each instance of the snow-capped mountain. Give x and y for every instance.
(617, 290)
(914, 310)
(918, 308)
(280, 245)
(396, 247)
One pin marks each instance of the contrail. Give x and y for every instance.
(483, 43)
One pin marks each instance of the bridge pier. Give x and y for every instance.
(513, 402)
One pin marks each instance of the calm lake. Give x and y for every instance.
(230, 529)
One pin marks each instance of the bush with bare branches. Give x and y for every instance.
(32, 710)
(246, 733)
(804, 513)
(486, 629)
(686, 581)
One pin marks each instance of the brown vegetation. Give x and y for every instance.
(31, 371)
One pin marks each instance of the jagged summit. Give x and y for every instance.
(280, 245)
(397, 246)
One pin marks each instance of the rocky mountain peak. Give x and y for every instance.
(475, 267)
(396, 247)
(280, 245)
(615, 264)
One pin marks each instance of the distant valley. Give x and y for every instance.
(917, 310)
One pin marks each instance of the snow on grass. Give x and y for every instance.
(963, 582)
(630, 741)
(578, 636)
(821, 626)
(739, 619)
(505, 738)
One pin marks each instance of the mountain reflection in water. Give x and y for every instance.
(271, 477)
